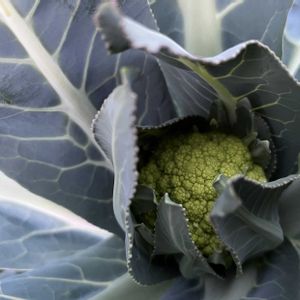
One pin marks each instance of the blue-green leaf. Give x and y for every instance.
(125, 285)
(169, 19)
(114, 129)
(289, 210)
(291, 41)
(211, 26)
(55, 74)
(35, 232)
(47, 250)
(246, 216)
(30, 238)
(266, 279)
(142, 266)
(172, 237)
(79, 276)
(253, 19)
(184, 289)
(279, 275)
(246, 70)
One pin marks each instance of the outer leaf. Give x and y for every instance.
(114, 128)
(266, 24)
(279, 277)
(289, 210)
(172, 237)
(35, 231)
(126, 286)
(169, 19)
(232, 288)
(213, 26)
(58, 254)
(30, 238)
(210, 287)
(80, 276)
(268, 279)
(247, 70)
(54, 74)
(246, 216)
(291, 42)
(184, 289)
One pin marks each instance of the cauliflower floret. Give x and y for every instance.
(186, 165)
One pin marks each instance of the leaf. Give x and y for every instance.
(246, 70)
(214, 26)
(48, 251)
(172, 237)
(266, 24)
(30, 239)
(274, 278)
(114, 129)
(184, 289)
(266, 279)
(232, 287)
(246, 217)
(79, 276)
(169, 19)
(55, 73)
(126, 286)
(145, 269)
(291, 41)
(289, 210)
(35, 231)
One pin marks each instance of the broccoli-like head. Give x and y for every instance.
(186, 165)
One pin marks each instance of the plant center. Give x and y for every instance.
(186, 165)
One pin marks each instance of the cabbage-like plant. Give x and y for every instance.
(191, 162)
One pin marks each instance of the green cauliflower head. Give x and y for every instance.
(186, 165)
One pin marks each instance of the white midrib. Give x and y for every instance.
(73, 102)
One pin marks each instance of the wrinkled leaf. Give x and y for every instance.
(142, 266)
(291, 41)
(114, 129)
(266, 279)
(232, 288)
(55, 73)
(289, 210)
(246, 216)
(279, 275)
(172, 237)
(246, 70)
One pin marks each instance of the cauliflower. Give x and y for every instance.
(186, 165)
